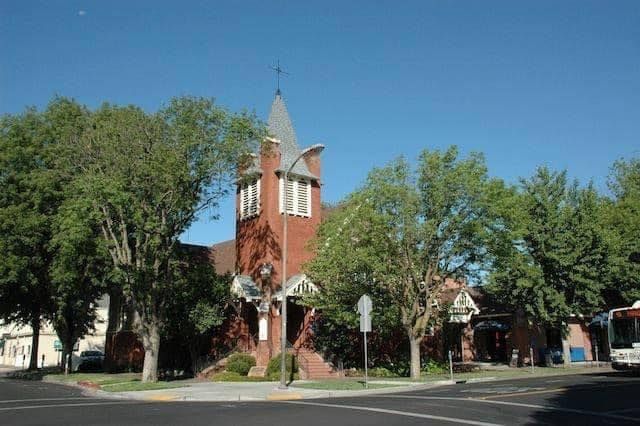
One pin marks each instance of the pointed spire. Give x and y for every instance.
(281, 128)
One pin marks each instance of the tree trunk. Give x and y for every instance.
(414, 344)
(151, 342)
(194, 354)
(115, 312)
(67, 346)
(35, 339)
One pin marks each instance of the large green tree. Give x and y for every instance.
(27, 204)
(622, 218)
(196, 301)
(553, 257)
(34, 182)
(403, 234)
(148, 176)
(79, 270)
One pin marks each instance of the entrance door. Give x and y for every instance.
(295, 321)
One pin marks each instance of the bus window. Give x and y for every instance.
(624, 332)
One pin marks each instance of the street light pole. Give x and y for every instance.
(283, 288)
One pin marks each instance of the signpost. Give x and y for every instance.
(364, 309)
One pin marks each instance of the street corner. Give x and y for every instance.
(165, 397)
(284, 396)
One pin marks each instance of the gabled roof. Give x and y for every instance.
(243, 287)
(281, 128)
(297, 285)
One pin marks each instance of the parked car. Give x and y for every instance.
(90, 361)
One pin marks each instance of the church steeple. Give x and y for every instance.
(281, 128)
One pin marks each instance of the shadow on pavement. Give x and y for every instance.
(600, 398)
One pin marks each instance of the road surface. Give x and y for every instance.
(598, 399)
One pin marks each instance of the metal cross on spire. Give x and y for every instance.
(278, 71)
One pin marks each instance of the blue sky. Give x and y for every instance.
(526, 82)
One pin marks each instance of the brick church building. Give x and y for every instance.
(255, 257)
(476, 330)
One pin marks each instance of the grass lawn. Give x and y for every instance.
(97, 378)
(513, 373)
(345, 384)
(139, 386)
(122, 382)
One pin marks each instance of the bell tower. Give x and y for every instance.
(260, 210)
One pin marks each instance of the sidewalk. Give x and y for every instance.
(256, 391)
(194, 390)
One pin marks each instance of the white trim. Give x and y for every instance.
(301, 287)
(296, 198)
(250, 198)
(238, 291)
(462, 308)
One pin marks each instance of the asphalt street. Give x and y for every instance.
(597, 399)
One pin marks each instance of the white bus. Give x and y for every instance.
(624, 337)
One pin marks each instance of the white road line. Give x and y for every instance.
(396, 412)
(625, 410)
(86, 404)
(516, 404)
(10, 401)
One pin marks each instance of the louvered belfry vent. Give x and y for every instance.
(298, 197)
(250, 199)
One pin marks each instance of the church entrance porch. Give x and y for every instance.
(296, 322)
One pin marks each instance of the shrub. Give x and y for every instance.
(381, 372)
(434, 367)
(240, 363)
(273, 368)
(230, 376)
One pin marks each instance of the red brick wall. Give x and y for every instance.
(259, 240)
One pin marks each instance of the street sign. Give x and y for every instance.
(365, 324)
(57, 345)
(364, 305)
(364, 309)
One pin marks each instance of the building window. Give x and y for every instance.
(298, 196)
(249, 198)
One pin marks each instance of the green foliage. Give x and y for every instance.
(622, 219)
(147, 177)
(240, 363)
(553, 252)
(401, 236)
(273, 367)
(381, 372)
(229, 376)
(51, 266)
(194, 300)
(432, 366)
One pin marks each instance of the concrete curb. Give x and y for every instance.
(246, 393)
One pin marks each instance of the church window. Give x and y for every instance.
(250, 198)
(298, 197)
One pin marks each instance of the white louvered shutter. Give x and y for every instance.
(302, 196)
(250, 199)
(298, 197)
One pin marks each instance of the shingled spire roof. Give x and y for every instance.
(280, 127)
